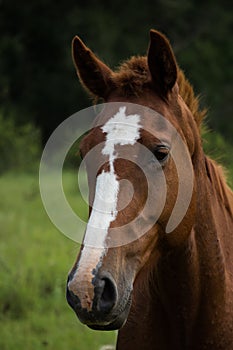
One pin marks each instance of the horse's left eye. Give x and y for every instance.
(161, 153)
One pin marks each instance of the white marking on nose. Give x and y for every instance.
(121, 129)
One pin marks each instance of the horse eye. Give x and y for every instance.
(161, 153)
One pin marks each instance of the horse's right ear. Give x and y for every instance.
(94, 74)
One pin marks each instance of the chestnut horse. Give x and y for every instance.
(162, 290)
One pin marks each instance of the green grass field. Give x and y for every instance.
(34, 262)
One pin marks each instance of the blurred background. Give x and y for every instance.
(38, 90)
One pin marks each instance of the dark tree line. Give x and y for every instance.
(37, 78)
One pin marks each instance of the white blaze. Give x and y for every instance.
(121, 129)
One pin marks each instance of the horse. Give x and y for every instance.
(162, 289)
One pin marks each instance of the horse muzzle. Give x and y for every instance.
(106, 311)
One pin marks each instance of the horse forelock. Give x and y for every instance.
(132, 76)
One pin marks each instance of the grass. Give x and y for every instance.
(34, 261)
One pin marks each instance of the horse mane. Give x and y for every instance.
(192, 101)
(217, 176)
(132, 76)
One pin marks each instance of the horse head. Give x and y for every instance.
(138, 157)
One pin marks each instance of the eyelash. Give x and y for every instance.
(161, 153)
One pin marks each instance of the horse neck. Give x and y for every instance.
(218, 196)
(193, 277)
(183, 290)
(213, 227)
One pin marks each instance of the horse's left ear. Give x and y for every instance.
(93, 73)
(162, 63)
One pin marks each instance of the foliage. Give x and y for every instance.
(34, 262)
(37, 75)
(19, 145)
(220, 150)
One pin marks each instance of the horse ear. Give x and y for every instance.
(93, 74)
(162, 63)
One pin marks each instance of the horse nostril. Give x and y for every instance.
(106, 294)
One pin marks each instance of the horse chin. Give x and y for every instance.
(115, 325)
